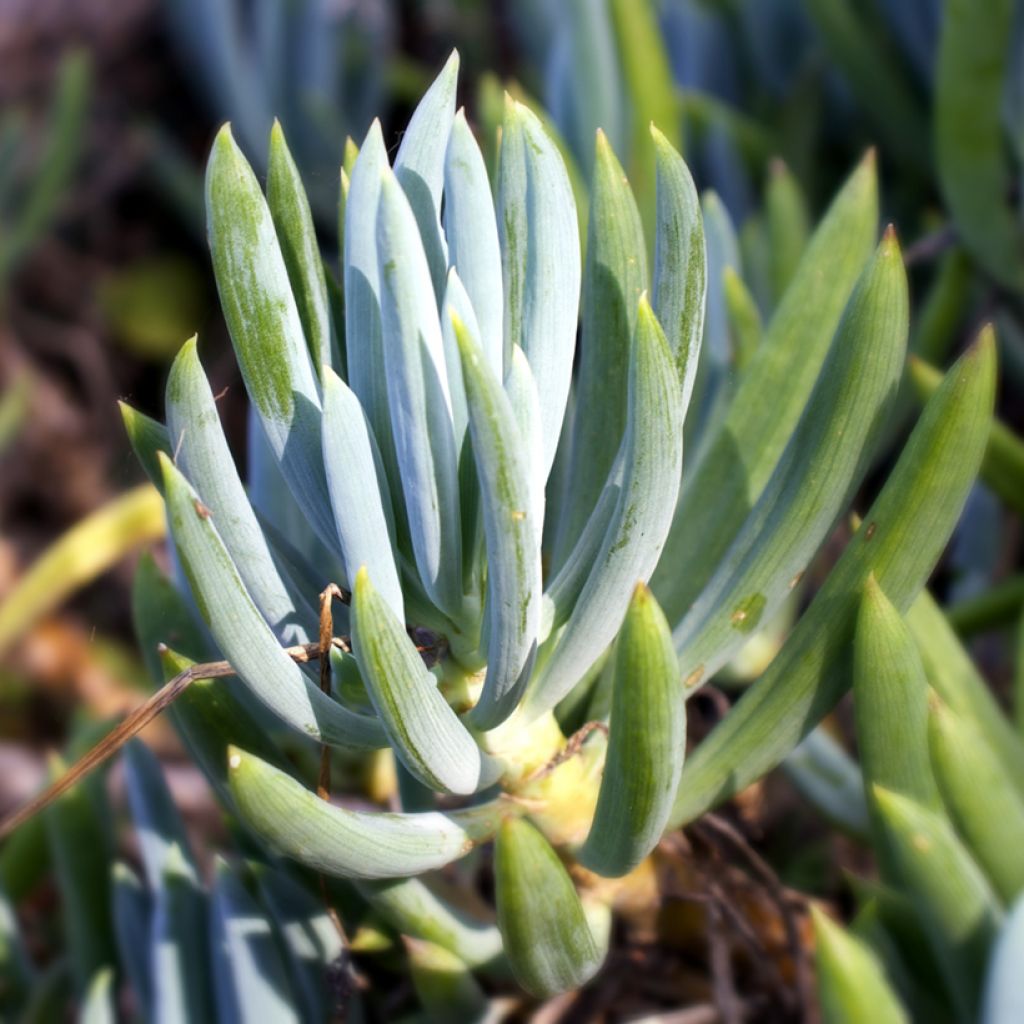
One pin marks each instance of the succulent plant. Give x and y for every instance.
(533, 585)
(943, 777)
(256, 946)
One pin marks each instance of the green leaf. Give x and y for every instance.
(981, 799)
(816, 477)
(352, 844)
(540, 259)
(444, 984)
(970, 147)
(293, 221)
(202, 454)
(744, 318)
(652, 453)
(410, 906)
(419, 399)
(146, 436)
(960, 912)
(646, 744)
(900, 540)
(241, 633)
(251, 981)
(548, 941)
(266, 331)
(423, 729)
(1002, 469)
(788, 225)
(512, 532)
(741, 456)
(952, 675)
(890, 696)
(852, 985)
(614, 278)
(680, 262)
(81, 860)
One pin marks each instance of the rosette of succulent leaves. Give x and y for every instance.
(476, 430)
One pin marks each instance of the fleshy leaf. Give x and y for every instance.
(512, 533)
(242, 635)
(352, 844)
(547, 939)
(646, 744)
(901, 538)
(423, 729)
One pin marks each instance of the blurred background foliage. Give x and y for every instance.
(106, 115)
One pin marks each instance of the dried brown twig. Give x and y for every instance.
(134, 723)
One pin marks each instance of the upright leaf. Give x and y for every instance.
(646, 744)
(738, 460)
(652, 453)
(423, 729)
(265, 327)
(540, 259)
(614, 278)
(901, 538)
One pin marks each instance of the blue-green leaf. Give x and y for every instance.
(419, 399)
(472, 233)
(513, 535)
(264, 323)
(201, 452)
(242, 635)
(540, 258)
(353, 844)
(359, 491)
(652, 453)
(423, 729)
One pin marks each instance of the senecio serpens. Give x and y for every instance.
(536, 586)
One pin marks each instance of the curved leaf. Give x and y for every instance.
(423, 729)
(960, 912)
(614, 277)
(472, 234)
(201, 452)
(418, 399)
(814, 480)
(352, 844)
(980, 798)
(242, 635)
